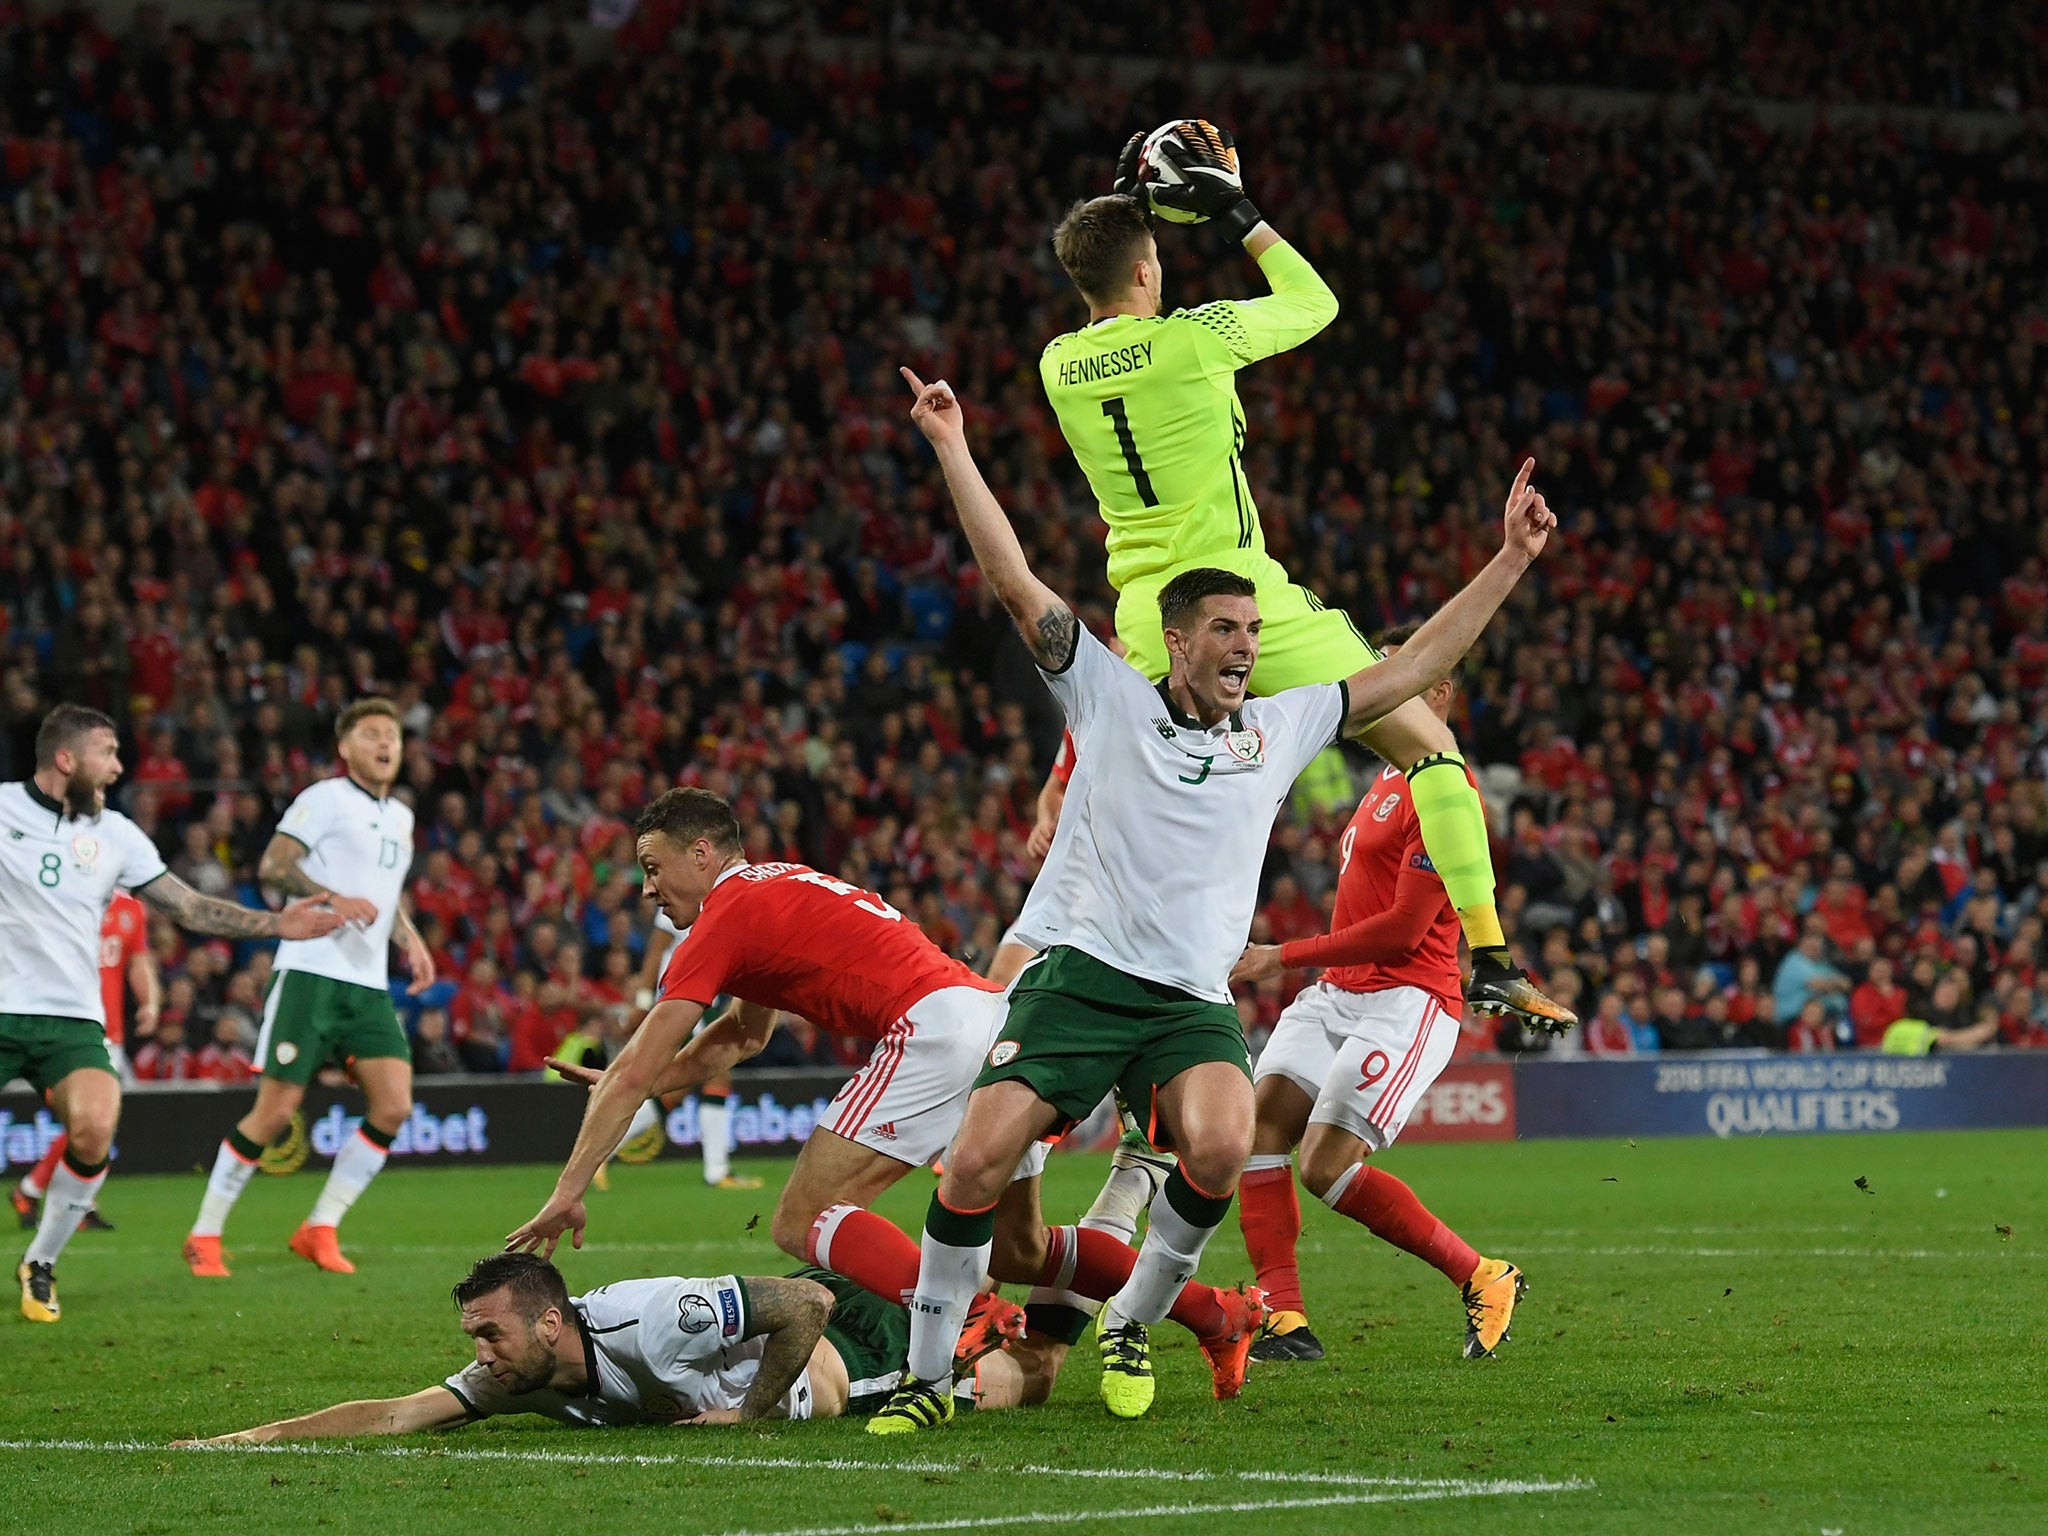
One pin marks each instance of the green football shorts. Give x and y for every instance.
(871, 1335)
(1078, 1027)
(310, 1021)
(46, 1050)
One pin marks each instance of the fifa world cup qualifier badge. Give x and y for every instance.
(85, 852)
(1247, 746)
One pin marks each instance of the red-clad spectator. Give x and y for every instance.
(223, 1058)
(1876, 1004)
(165, 1057)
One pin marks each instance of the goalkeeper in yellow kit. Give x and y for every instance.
(1148, 403)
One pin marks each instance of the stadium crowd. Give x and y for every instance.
(557, 401)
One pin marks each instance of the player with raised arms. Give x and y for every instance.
(726, 1349)
(1166, 822)
(63, 854)
(346, 841)
(1351, 1058)
(1148, 403)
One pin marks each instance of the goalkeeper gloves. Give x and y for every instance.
(1209, 185)
(1127, 166)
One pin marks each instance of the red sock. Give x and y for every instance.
(38, 1180)
(1388, 1209)
(1102, 1265)
(1269, 1212)
(870, 1250)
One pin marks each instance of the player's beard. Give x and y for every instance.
(534, 1369)
(82, 797)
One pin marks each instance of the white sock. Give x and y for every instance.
(29, 1187)
(643, 1119)
(355, 1165)
(1168, 1260)
(946, 1281)
(714, 1130)
(64, 1207)
(224, 1186)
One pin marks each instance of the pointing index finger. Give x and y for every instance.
(916, 384)
(1521, 482)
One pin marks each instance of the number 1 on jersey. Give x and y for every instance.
(1114, 409)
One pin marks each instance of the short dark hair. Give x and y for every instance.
(1182, 595)
(535, 1284)
(684, 815)
(362, 710)
(63, 726)
(1098, 240)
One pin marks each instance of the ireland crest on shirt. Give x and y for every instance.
(1247, 746)
(85, 851)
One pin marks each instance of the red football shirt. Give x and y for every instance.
(1063, 763)
(788, 937)
(124, 931)
(1384, 838)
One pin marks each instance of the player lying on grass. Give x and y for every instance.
(724, 1350)
(785, 937)
(1148, 403)
(63, 855)
(1166, 822)
(1350, 1059)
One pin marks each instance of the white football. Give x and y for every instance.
(1156, 168)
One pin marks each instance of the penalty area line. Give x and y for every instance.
(1431, 1487)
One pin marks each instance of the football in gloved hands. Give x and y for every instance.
(1189, 173)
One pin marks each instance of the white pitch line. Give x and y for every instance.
(1469, 1490)
(1431, 1486)
(2000, 1251)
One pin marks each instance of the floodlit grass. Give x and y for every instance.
(1719, 1336)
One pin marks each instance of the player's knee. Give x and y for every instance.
(1323, 1160)
(389, 1115)
(790, 1228)
(91, 1136)
(974, 1179)
(1216, 1168)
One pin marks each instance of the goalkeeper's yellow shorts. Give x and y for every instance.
(1300, 642)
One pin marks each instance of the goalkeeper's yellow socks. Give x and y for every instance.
(1454, 831)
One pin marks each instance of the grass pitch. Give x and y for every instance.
(1719, 1336)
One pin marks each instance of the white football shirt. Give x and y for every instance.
(57, 874)
(356, 845)
(659, 1351)
(1168, 819)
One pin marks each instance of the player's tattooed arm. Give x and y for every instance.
(792, 1313)
(1052, 637)
(1047, 624)
(302, 919)
(281, 870)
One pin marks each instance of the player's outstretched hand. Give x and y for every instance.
(576, 1072)
(310, 917)
(1258, 962)
(937, 412)
(714, 1416)
(541, 1234)
(1127, 166)
(353, 909)
(1529, 519)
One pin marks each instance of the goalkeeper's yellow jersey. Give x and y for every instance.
(1150, 409)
